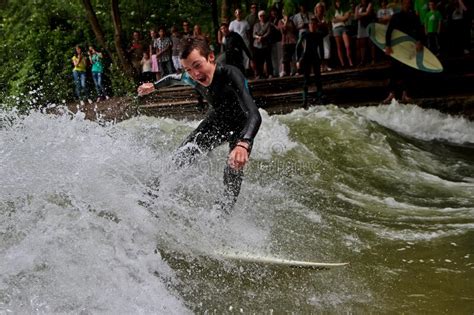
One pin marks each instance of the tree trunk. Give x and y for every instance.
(117, 21)
(92, 17)
(225, 11)
(215, 18)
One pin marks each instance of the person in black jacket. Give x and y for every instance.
(233, 116)
(234, 48)
(408, 22)
(309, 50)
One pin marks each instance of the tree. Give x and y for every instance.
(119, 57)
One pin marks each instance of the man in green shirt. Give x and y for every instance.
(432, 25)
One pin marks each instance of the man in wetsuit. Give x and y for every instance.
(233, 116)
(234, 47)
(408, 22)
(309, 50)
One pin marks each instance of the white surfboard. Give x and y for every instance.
(275, 261)
(404, 49)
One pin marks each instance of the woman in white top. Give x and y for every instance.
(339, 31)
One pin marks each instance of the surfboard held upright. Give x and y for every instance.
(404, 49)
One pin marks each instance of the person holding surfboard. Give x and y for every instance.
(408, 22)
(233, 117)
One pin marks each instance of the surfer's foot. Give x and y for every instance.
(305, 104)
(407, 100)
(389, 98)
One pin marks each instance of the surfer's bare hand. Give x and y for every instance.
(239, 156)
(146, 88)
(388, 51)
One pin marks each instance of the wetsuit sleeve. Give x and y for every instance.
(174, 79)
(247, 103)
(244, 47)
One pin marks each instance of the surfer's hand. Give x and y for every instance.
(146, 88)
(298, 65)
(388, 51)
(239, 156)
(419, 46)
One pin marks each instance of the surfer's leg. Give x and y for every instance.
(232, 184)
(306, 75)
(208, 135)
(394, 80)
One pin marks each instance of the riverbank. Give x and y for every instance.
(449, 92)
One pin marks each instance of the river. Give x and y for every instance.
(389, 189)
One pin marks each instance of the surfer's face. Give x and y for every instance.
(200, 68)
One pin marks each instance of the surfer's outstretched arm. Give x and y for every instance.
(169, 80)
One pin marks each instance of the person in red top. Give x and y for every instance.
(135, 52)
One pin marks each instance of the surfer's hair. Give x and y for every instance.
(189, 44)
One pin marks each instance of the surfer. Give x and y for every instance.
(309, 51)
(408, 22)
(233, 116)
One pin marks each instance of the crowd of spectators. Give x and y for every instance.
(263, 43)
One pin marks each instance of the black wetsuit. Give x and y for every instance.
(234, 47)
(309, 50)
(232, 117)
(407, 22)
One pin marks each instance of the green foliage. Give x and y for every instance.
(38, 39)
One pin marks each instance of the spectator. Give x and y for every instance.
(432, 25)
(147, 74)
(186, 30)
(220, 38)
(421, 8)
(261, 31)
(340, 33)
(164, 53)
(177, 48)
(234, 48)
(198, 34)
(135, 52)
(278, 7)
(79, 74)
(308, 52)
(301, 20)
(240, 26)
(274, 43)
(155, 67)
(288, 31)
(96, 60)
(457, 28)
(384, 14)
(323, 25)
(364, 14)
(252, 17)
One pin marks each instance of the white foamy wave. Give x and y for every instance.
(425, 124)
(272, 138)
(74, 238)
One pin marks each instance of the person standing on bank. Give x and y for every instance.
(309, 50)
(233, 117)
(95, 59)
(79, 72)
(400, 75)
